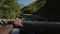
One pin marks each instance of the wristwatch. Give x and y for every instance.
(11, 23)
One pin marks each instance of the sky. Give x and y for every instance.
(25, 2)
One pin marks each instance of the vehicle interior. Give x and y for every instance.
(44, 12)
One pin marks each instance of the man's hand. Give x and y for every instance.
(18, 22)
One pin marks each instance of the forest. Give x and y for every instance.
(11, 9)
(45, 8)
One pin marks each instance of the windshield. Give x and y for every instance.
(47, 9)
(38, 16)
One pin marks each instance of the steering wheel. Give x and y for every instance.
(18, 28)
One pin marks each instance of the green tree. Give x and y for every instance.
(9, 8)
(33, 7)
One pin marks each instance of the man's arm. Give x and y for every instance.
(6, 29)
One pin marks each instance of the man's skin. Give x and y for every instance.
(8, 28)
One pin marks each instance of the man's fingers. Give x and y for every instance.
(18, 22)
